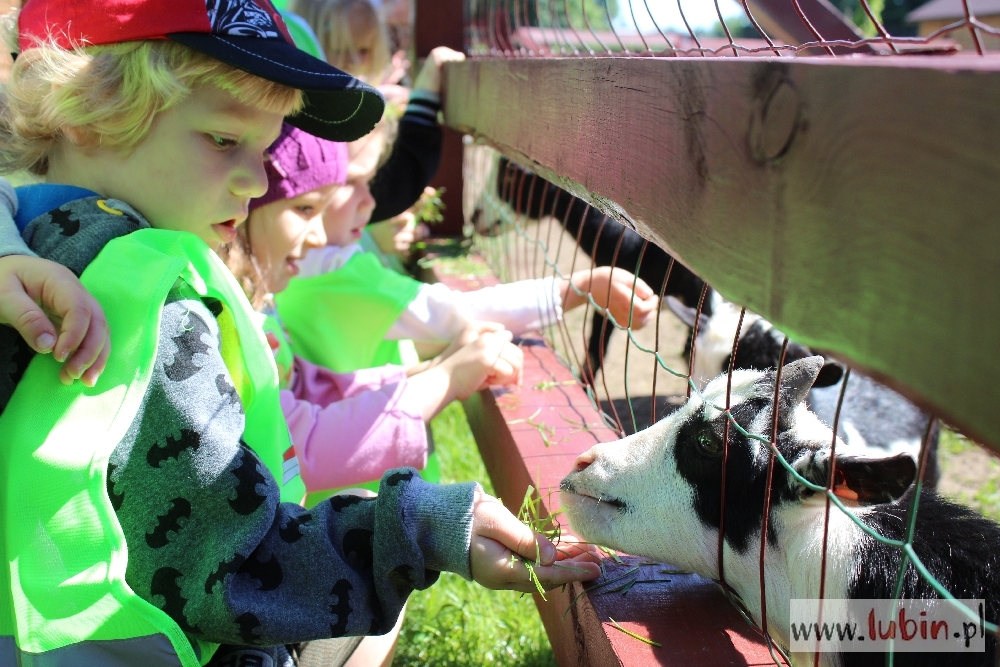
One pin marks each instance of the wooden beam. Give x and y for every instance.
(442, 23)
(853, 202)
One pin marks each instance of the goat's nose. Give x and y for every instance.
(584, 460)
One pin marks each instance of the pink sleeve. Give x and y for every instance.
(355, 440)
(322, 386)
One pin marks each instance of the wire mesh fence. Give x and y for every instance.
(686, 28)
(528, 228)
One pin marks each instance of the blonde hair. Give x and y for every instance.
(341, 25)
(242, 263)
(112, 93)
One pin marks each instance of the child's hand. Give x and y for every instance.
(490, 359)
(395, 236)
(30, 290)
(620, 297)
(398, 66)
(470, 334)
(497, 534)
(429, 77)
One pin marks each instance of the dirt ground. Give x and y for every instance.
(970, 475)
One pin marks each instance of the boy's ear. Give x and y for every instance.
(78, 136)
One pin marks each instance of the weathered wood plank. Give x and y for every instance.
(852, 201)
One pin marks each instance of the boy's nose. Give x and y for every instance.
(250, 180)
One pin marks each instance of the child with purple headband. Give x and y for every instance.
(347, 428)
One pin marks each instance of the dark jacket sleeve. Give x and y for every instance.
(211, 545)
(413, 162)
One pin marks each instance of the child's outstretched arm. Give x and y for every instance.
(349, 428)
(210, 543)
(439, 313)
(31, 289)
(611, 289)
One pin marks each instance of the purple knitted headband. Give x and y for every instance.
(298, 163)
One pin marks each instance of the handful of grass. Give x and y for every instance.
(548, 526)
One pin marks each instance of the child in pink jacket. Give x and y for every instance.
(347, 428)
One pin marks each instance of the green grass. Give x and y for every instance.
(456, 622)
(984, 497)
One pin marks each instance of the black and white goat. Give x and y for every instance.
(599, 237)
(875, 421)
(657, 494)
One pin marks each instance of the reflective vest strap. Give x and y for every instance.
(149, 651)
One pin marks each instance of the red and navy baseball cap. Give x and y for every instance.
(246, 34)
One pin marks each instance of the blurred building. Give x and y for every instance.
(937, 14)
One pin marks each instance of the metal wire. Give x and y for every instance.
(531, 254)
(526, 28)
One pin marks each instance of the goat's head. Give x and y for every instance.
(657, 493)
(759, 346)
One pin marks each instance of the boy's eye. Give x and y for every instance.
(221, 142)
(305, 210)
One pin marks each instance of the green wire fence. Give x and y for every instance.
(518, 248)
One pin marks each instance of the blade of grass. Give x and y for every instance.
(615, 625)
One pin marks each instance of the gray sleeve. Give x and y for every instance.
(11, 242)
(210, 543)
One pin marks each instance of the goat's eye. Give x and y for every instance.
(708, 443)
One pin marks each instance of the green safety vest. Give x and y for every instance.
(339, 319)
(281, 347)
(62, 577)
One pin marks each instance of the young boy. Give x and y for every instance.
(147, 521)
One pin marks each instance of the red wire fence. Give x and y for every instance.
(526, 228)
(526, 222)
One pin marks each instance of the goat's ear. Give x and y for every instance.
(864, 481)
(831, 373)
(797, 378)
(686, 313)
(868, 481)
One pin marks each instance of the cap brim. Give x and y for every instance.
(338, 106)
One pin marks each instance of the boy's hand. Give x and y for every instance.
(32, 289)
(497, 534)
(490, 359)
(429, 77)
(618, 299)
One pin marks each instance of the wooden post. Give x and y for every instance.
(442, 23)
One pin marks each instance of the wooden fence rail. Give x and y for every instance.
(851, 201)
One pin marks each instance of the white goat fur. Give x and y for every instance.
(660, 520)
